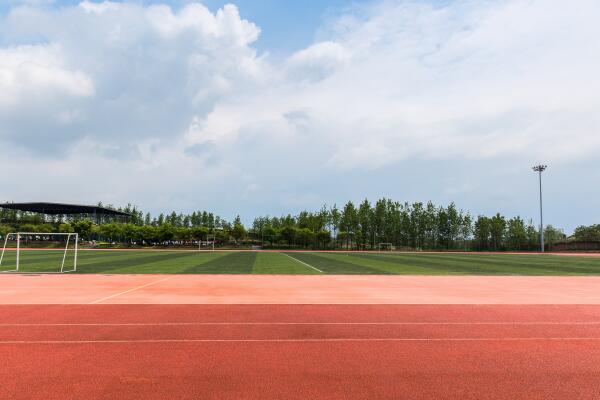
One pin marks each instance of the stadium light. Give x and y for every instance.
(539, 169)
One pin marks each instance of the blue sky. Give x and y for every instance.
(286, 25)
(270, 107)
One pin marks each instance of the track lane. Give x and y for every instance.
(176, 313)
(255, 370)
(300, 332)
(311, 361)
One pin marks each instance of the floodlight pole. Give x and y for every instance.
(539, 169)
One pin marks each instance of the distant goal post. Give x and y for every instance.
(386, 247)
(71, 243)
(208, 243)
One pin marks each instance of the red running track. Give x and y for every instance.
(299, 352)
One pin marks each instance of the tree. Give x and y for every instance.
(430, 225)
(221, 235)
(335, 218)
(65, 228)
(416, 225)
(130, 233)
(552, 235)
(417, 222)
(466, 229)
(533, 236)
(482, 232)
(365, 222)
(516, 234)
(5, 230)
(304, 236)
(269, 235)
(378, 223)
(323, 238)
(199, 233)
(238, 231)
(454, 225)
(288, 234)
(166, 233)
(83, 228)
(183, 234)
(587, 233)
(112, 232)
(349, 222)
(149, 234)
(497, 231)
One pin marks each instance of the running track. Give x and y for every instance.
(299, 351)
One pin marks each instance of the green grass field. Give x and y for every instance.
(145, 262)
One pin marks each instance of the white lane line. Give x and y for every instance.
(591, 323)
(501, 339)
(302, 262)
(128, 291)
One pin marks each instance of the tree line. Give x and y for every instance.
(364, 226)
(587, 233)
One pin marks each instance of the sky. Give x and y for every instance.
(271, 107)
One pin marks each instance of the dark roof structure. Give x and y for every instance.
(62, 209)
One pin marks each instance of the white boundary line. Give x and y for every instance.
(128, 291)
(141, 341)
(302, 262)
(582, 323)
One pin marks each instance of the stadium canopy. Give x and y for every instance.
(63, 209)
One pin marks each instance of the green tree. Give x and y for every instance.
(533, 236)
(149, 234)
(466, 229)
(516, 234)
(323, 238)
(587, 233)
(335, 218)
(83, 228)
(552, 235)
(349, 222)
(497, 231)
(199, 232)
(482, 232)
(365, 220)
(166, 232)
(238, 232)
(65, 228)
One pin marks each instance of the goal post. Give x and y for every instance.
(385, 246)
(208, 242)
(71, 243)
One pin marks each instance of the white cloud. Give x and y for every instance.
(144, 72)
(499, 79)
(317, 62)
(99, 8)
(180, 96)
(32, 72)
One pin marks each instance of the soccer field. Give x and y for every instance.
(246, 262)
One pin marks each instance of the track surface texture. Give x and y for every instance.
(300, 352)
(299, 337)
(289, 289)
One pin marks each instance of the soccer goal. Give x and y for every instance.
(385, 246)
(58, 252)
(209, 243)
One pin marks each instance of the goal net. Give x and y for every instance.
(39, 252)
(386, 246)
(208, 244)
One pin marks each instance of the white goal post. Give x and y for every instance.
(207, 242)
(385, 246)
(18, 236)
